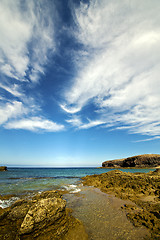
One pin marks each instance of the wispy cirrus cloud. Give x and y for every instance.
(119, 74)
(149, 139)
(77, 122)
(27, 39)
(14, 89)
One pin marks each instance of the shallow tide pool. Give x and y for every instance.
(103, 217)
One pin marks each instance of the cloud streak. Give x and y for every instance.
(35, 124)
(120, 72)
(27, 40)
(26, 37)
(11, 110)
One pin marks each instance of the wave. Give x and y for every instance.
(72, 188)
(8, 202)
(30, 178)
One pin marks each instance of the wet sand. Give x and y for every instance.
(103, 217)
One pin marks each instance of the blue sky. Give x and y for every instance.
(79, 81)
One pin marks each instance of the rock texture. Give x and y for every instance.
(45, 216)
(140, 161)
(143, 189)
(3, 168)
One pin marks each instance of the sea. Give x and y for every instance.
(17, 182)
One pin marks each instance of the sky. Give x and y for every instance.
(79, 81)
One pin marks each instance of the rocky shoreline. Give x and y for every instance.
(44, 216)
(143, 189)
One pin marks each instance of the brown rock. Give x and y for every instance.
(143, 189)
(42, 214)
(3, 168)
(19, 210)
(43, 217)
(140, 161)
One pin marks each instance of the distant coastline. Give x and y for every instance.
(139, 161)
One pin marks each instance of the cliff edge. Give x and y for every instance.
(140, 161)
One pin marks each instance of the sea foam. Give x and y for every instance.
(72, 188)
(8, 202)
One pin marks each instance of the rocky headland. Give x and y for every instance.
(140, 161)
(142, 189)
(3, 168)
(43, 216)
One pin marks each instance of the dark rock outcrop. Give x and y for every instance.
(45, 216)
(3, 168)
(140, 161)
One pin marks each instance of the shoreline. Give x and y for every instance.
(103, 216)
(142, 189)
(16, 222)
(143, 208)
(117, 168)
(42, 216)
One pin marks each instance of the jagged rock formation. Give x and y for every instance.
(140, 161)
(45, 216)
(3, 168)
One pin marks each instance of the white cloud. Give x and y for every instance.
(26, 41)
(11, 110)
(16, 115)
(120, 74)
(91, 124)
(149, 139)
(35, 124)
(71, 110)
(14, 89)
(15, 34)
(26, 31)
(75, 121)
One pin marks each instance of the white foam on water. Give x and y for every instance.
(72, 188)
(8, 202)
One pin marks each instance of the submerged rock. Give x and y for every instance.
(45, 216)
(140, 161)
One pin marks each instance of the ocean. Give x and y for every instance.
(25, 181)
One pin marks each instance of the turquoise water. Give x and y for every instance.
(24, 180)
